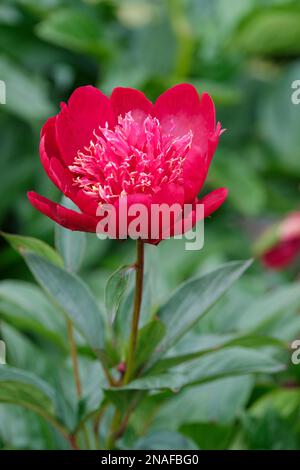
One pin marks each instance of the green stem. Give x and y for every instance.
(56, 424)
(117, 424)
(113, 430)
(75, 364)
(74, 357)
(139, 276)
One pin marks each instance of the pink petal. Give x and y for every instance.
(58, 174)
(48, 145)
(124, 100)
(181, 105)
(181, 99)
(63, 179)
(61, 215)
(213, 200)
(197, 165)
(87, 109)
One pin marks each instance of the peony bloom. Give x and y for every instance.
(98, 150)
(285, 243)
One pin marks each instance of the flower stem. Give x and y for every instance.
(110, 443)
(74, 356)
(139, 276)
(75, 365)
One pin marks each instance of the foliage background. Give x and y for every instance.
(246, 55)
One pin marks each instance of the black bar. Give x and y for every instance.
(134, 459)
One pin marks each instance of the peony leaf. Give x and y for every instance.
(72, 296)
(149, 337)
(29, 244)
(192, 349)
(70, 244)
(164, 440)
(25, 389)
(115, 290)
(74, 30)
(265, 309)
(193, 299)
(269, 31)
(26, 92)
(224, 363)
(204, 402)
(24, 306)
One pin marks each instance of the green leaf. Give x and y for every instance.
(223, 363)
(115, 290)
(149, 337)
(193, 299)
(199, 345)
(26, 94)
(73, 296)
(21, 429)
(28, 244)
(25, 389)
(269, 432)
(262, 311)
(286, 402)
(164, 440)
(204, 403)
(277, 111)
(70, 244)
(270, 31)
(239, 175)
(209, 436)
(24, 306)
(72, 29)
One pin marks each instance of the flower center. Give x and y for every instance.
(137, 156)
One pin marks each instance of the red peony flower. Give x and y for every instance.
(98, 150)
(287, 245)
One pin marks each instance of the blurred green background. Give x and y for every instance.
(246, 55)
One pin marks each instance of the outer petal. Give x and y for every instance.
(58, 173)
(129, 99)
(181, 106)
(123, 207)
(169, 195)
(213, 200)
(61, 215)
(64, 181)
(48, 145)
(180, 100)
(87, 109)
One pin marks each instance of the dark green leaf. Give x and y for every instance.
(72, 29)
(24, 306)
(28, 244)
(115, 290)
(73, 297)
(25, 389)
(70, 244)
(149, 337)
(223, 363)
(26, 94)
(193, 299)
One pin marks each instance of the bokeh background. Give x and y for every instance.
(246, 55)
